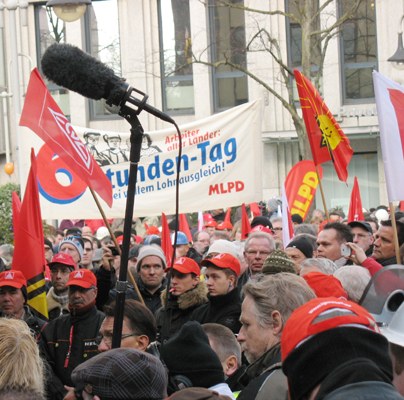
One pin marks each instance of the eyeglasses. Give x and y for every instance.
(107, 338)
(277, 229)
(258, 252)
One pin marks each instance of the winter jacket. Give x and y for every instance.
(224, 310)
(266, 379)
(74, 333)
(178, 310)
(365, 391)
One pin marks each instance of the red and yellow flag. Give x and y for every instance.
(29, 256)
(327, 141)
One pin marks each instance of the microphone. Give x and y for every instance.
(73, 69)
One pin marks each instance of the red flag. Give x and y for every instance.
(355, 206)
(245, 223)
(327, 141)
(226, 224)
(401, 205)
(166, 240)
(43, 116)
(301, 185)
(16, 206)
(184, 227)
(29, 255)
(255, 209)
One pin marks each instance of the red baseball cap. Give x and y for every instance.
(262, 228)
(319, 315)
(13, 278)
(63, 258)
(83, 278)
(223, 260)
(186, 265)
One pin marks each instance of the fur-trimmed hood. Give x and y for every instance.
(191, 298)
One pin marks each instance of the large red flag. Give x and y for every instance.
(327, 141)
(184, 227)
(166, 240)
(44, 117)
(245, 223)
(355, 206)
(29, 255)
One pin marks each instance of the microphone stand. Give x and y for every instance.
(136, 137)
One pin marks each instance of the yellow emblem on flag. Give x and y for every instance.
(329, 131)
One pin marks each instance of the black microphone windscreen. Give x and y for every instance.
(73, 69)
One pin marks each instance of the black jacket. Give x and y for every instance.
(56, 342)
(178, 310)
(224, 310)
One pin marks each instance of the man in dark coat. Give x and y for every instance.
(69, 340)
(224, 305)
(186, 293)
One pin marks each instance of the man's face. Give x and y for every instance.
(48, 253)
(114, 143)
(88, 253)
(152, 272)
(106, 330)
(256, 253)
(218, 282)
(71, 250)
(202, 243)
(328, 245)
(254, 339)
(80, 297)
(11, 301)
(296, 256)
(181, 283)
(59, 277)
(210, 230)
(181, 250)
(362, 237)
(277, 228)
(383, 246)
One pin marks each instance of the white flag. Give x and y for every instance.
(390, 111)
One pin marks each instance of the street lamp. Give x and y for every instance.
(69, 10)
(398, 57)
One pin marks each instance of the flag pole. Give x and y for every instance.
(322, 194)
(118, 248)
(395, 235)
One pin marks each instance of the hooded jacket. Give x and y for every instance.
(177, 310)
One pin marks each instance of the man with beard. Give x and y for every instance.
(71, 339)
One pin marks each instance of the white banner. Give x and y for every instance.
(220, 167)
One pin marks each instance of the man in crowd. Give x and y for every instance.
(258, 246)
(266, 307)
(72, 245)
(13, 301)
(332, 349)
(57, 298)
(200, 246)
(362, 235)
(138, 328)
(329, 242)
(224, 305)
(186, 293)
(48, 248)
(88, 253)
(71, 339)
(298, 250)
(225, 345)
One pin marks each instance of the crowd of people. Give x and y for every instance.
(228, 318)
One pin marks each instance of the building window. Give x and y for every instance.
(358, 52)
(176, 57)
(49, 29)
(103, 42)
(227, 42)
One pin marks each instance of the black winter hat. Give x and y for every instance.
(261, 220)
(188, 353)
(302, 244)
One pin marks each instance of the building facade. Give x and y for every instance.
(154, 44)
